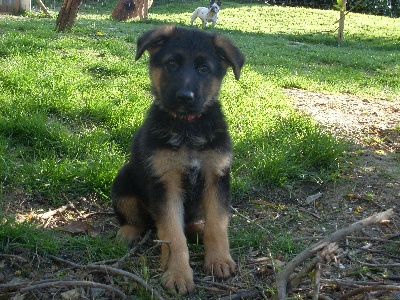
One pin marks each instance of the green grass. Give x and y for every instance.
(70, 102)
(28, 235)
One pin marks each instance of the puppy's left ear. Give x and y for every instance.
(230, 54)
(219, 3)
(153, 39)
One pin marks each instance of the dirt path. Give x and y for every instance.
(373, 126)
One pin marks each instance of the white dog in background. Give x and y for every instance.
(207, 15)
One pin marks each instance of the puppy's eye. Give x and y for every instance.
(204, 70)
(172, 64)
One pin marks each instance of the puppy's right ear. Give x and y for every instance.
(153, 39)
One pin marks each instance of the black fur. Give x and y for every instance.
(184, 136)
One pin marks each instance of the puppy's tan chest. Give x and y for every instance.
(170, 163)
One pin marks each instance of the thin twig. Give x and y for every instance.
(30, 286)
(350, 237)
(347, 283)
(242, 295)
(217, 284)
(394, 265)
(91, 214)
(11, 256)
(248, 219)
(369, 289)
(309, 212)
(132, 251)
(109, 270)
(317, 284)
(73, 283)
(51, 213)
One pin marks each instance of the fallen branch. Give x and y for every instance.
(16, 257)
(109, 270)
(369, 289)
(51, 213)
(73, 283)
(394, 265)
(24, 287)
(349, 237)
(327, 252)
(317, 284)
(242, 295)
(347, 283)
(283, 276)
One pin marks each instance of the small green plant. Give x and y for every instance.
(340, 5)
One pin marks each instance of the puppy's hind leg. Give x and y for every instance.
(133, 218)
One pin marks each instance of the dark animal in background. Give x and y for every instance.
(129, 9)
(177, 179)
(207, 15)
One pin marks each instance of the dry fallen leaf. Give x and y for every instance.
(79, 227)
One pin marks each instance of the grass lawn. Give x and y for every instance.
(70, 103)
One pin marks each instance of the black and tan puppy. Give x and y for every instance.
(177, 179)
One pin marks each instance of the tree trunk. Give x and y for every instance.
(67, 15)
(341, 22)
(146, 10)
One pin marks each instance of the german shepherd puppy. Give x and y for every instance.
(177, 178)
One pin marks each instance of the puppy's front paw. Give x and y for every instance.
(220, 266)
(179, 281)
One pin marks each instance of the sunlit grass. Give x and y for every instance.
(70, 103)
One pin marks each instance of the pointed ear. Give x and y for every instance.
(151, 40)
(212, 2)
(230, 54)
(219, 3)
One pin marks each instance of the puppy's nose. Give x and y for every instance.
(185, 95)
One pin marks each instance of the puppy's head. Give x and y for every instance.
(218, 4)
(187, 67)
(214, 8)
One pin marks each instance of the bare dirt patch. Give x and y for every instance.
(373, 127)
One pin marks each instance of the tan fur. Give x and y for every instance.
(230, 53)
(213, 91)
(218, 260)
(169, 165)
(156, 79)
(128, 205)
(128, 233)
